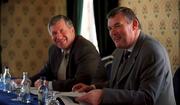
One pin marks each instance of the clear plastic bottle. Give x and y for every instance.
(6, 80)
(42, 92)
(1, 82)
(25, 88)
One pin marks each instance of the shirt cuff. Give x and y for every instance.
(50, 85)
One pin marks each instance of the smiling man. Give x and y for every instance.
(72, 58)
(140, 77)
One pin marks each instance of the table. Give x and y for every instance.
(6, 99)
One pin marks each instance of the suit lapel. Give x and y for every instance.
(115, 66)
(131, 61)
(127, 68)
(58, 61)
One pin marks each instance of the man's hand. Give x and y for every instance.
(17, 81)
(37, 84)
(93, 97)
(80, 87)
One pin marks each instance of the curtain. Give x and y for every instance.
(88, 28)
(101, 8)
(74, 12)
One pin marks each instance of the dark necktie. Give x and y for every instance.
(126, 55)
(63, 66)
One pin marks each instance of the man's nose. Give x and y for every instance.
(58, 36)
(113, 32)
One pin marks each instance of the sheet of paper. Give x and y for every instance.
(33, 90)
(70, 94)
(67, 97)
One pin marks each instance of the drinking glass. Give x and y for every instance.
(17, 91)
(52, 99)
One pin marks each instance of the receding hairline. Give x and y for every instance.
(58, 18)
(127, 12)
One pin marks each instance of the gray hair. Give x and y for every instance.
(127, 12)
(56, 18)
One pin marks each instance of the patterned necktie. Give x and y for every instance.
(63, 66)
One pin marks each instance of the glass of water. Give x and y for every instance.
(17, 91)
(52, 99)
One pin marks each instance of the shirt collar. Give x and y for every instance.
(131, 48)
(67, 51)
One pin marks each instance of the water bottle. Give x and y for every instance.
(25, 88)
(42, 92)
(6, 80)
(1, 82)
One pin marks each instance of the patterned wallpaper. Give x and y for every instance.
(24, 36)
(161, 20)
(25, 40)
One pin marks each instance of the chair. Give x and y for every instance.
(176, 84)
(107, 62)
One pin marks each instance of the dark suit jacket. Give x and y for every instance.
(145, 79)
(176, 83)
(83, 62)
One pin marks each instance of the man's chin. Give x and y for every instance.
(119, 46)
(62, 47)
(59, 46)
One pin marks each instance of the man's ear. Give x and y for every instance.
(72, 30)
(135, 24)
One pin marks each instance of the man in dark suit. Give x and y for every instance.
(141, 77)
(82, 58)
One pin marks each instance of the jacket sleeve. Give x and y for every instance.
(45, 71)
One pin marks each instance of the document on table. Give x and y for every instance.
(70, 94)
(67, 97)
(34, 90)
